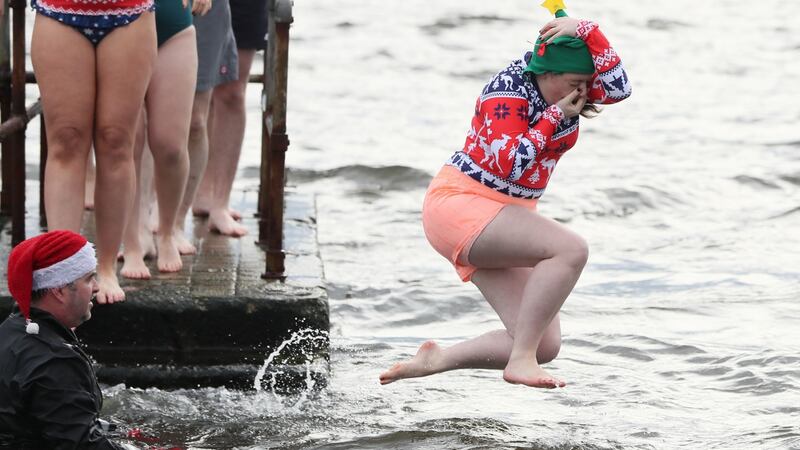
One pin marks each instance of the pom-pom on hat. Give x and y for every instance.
(564, 54)
(50, 260)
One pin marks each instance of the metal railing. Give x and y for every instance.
(15, 117)
(275, 142)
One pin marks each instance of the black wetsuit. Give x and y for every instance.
(49, 396)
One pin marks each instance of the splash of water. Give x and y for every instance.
(311, 335)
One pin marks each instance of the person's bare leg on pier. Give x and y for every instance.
(169, 109)
(227, 127)
(137, 242)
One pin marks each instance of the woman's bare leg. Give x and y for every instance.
(527, 300)
(64, 63)
(518, 237)
(88, 195)
(503, 289)
(125, 60)
(227, 134)
(147, 202)
(198, 158)
(169, 108)
(133, 254)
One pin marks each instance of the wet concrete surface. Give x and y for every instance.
(214, 322)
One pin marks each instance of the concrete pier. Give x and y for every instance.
(214, 322)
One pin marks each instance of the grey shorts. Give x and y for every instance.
(217, 59)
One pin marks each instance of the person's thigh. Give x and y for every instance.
(171, 92)
(520, 237)
(231, 95)
(64, 64)
(125, 60)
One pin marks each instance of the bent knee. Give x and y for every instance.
(575, 253)
(548, 351)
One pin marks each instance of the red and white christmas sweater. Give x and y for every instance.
(516, 139)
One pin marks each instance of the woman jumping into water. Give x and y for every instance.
(480, 210)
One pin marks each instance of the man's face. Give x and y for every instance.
(79, 299)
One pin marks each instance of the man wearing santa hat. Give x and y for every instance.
(49, 396)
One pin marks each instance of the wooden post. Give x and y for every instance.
(5, 109)
(17, 140)
(275, 140)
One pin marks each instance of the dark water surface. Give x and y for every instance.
(683, 331)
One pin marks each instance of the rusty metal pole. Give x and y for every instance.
(263, 196)
(18, 138)
(5, 109)
(271, 205)
(42, 168)
(266, 113)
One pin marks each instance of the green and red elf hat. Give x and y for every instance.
(564, 54)
(50, 260)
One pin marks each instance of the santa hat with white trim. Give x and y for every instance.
(50, 260)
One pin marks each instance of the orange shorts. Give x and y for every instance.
(455, 212)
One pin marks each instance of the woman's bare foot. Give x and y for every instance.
(148, 244)
(184, 246)
(134, 267)
(169, 258)
(424, 363)
(202, 203)
(110, 291)
(529, 373)
(220, 220)
(199, 211)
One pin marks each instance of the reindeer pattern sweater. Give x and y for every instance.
(516, 139)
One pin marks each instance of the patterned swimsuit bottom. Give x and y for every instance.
(94, 25)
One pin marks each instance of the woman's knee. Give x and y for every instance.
(198, 123)
(231, 95)
(113, 145)
(548, 350)
(68, 144)
(167, 151)
(574, 252)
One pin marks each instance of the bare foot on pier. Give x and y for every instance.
(220, 220)
(134, 267)
(200, 211)
(169, 258)
(110, 291)
(424, 363)
(529, 373)
(148, 244)
(184, 246)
